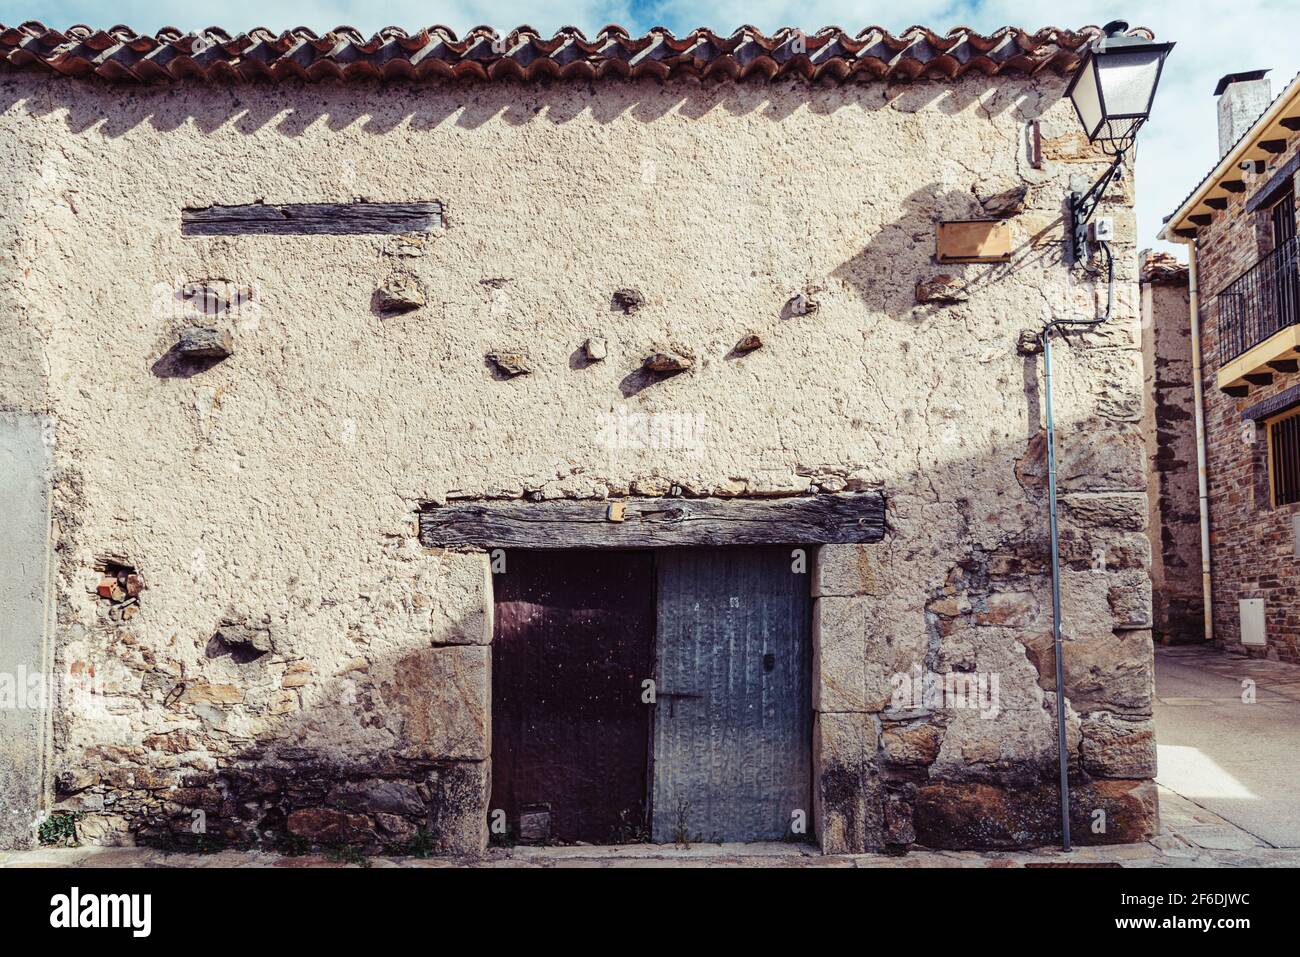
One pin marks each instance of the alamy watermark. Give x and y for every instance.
(209, 299)
(679, 431)
(922, 690)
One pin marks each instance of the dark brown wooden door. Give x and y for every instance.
(573, 641)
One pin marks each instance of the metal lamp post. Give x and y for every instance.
(1112, 92)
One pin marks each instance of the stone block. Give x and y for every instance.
(379, 797)
(1093, 457)
(456, 590)
(848, 797)
(458, 807)
(1122, 510)
(911, 745)
(839, 656)
(324, 825)
(399, 293)
(859, 653)
(1110, 671)
(846, 570)
(1095, 602)
(1117, 748)
(1114, 812)
(956, 815)
(438, 699)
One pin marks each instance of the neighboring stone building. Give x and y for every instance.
(1168, 425)
(301, 365)
(1240, 226)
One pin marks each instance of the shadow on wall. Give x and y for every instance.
(298, 784)
(393, 753)
(873, 272)
(292, 106)
(392, 757)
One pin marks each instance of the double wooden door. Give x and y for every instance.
(659, 695)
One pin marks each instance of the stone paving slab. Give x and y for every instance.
(1233, 758)
(1149, 854)
(1191, 837)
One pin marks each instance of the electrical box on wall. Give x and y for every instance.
(1252, 622)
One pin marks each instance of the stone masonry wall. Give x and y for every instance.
(1253, 551)
(1169, 425)
(300, 671)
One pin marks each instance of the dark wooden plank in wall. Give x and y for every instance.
(847, 518)
(322, 219)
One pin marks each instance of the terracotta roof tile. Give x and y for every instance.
(436, 53)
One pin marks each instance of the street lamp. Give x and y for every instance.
(1115, 84)
(1112, 92)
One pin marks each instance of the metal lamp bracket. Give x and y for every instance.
(1083, 206)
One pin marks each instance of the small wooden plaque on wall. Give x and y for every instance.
(973, 241)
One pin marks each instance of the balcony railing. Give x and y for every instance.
(1260, 303)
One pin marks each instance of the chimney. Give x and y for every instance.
(1243, 98)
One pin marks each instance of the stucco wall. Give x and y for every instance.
(277, 489)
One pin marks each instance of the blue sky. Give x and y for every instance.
(1178, 147)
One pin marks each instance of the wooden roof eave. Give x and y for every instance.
(1267, 140)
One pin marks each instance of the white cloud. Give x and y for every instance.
(1177, 149)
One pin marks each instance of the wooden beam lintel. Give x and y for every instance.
(824, 519)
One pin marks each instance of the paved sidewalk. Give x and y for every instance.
(1229, 797)
(1170, 849)
(1228, 734)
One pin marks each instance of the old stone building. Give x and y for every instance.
(419, 441)
(1168, 426)
(1239, 224)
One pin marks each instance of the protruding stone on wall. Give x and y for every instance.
(246, 639)
(1029, 342)
(510, 363)
(942, 290)
(1009, 202)
(204, 342)
(595, 349)
(667, 359)
(628, 300)
(401, 292)
(801, 304)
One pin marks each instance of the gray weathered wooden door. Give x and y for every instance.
(733, 720)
